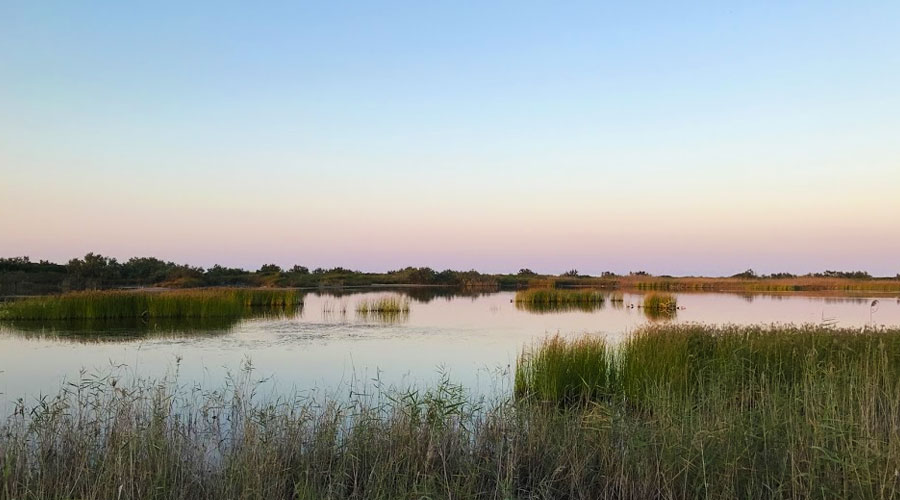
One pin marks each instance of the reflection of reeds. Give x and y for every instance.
(544, 308)
(386, 317)
(100, 330)
(330, 310)
(206, 303)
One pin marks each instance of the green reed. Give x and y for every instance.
(558, 297)
(566, 372)
(660, 301)
(108, 305)
(383, 305)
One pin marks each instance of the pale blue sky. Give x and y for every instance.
(692, 138)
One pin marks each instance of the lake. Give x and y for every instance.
(328, 347)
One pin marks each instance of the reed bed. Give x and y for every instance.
(110, 305)
(538, 297)
(676, 411)
(798, 284)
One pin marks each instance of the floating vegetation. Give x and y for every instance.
(109, 305)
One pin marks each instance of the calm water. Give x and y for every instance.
(328, 346)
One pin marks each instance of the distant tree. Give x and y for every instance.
(93, 271)
(608, 274)
(299, 269)
(857, 275)
(269, 269)
(218, 270)
(526, 272)
(14, 263)
(572, 273)
(146, 270)
(638, 273)
(421, 275)
(748, 274)
(447, 277)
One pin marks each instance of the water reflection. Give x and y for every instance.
(383, 317)
(545, 308)
(131, 329)
(96, 330)
(656, 315)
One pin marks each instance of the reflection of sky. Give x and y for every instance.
(616, 135)
(470, 337)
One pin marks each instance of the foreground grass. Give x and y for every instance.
(674, 412)
(108, 305)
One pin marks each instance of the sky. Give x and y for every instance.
(671, 137)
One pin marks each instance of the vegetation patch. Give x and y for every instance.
(558, 297)
(383, 305)
(662, 302)
(110, 305)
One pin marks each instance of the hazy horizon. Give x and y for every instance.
(698, 139)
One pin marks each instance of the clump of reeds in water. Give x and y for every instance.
(660, 306)
(391, 309)
(383, 305)
(660, 302)
(108, 305)
(556, 299)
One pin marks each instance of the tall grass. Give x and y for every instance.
(775, 412)
(553, 299)
(660, 301)
(390, 309)
(566, 372)
(680, 411)
(383, 305)
(108, 305)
